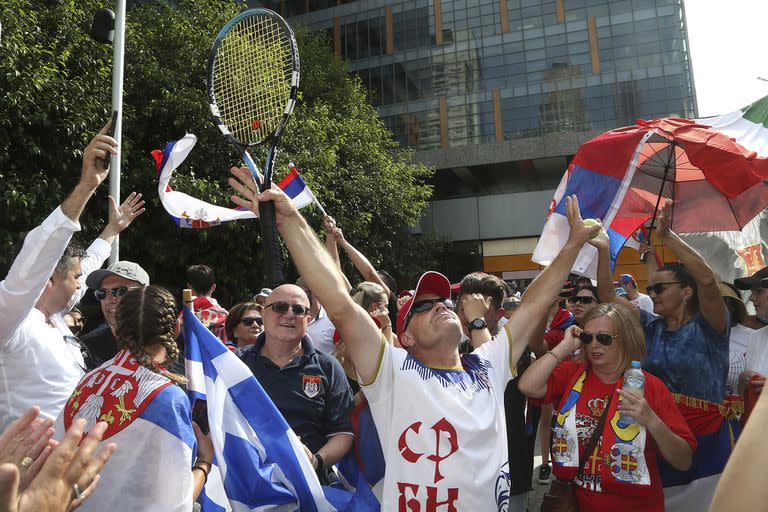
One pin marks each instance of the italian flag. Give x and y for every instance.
(740, 253)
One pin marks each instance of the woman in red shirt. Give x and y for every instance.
(622, 470)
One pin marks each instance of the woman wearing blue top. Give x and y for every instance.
(687, 339)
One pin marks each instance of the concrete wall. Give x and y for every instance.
(488, 217)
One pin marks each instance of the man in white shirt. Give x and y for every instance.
(757, 347)
(320, 328)
(439, 416)
(40, 361)
(640, 300)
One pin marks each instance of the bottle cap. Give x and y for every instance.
(635, 364)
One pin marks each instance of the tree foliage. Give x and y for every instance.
(55, 85)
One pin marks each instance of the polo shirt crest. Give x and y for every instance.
(311, 385)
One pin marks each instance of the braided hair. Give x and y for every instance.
(146, 316)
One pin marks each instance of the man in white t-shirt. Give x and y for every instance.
(438, 415)
(640, 300)
(757, 347)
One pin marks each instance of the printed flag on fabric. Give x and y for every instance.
(713, 169)
(261, 464)
(190, 212)
(294, 187)
(148, 418)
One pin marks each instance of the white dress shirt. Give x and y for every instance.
(320, 331)
(38, 365)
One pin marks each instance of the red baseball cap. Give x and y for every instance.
(430, 282)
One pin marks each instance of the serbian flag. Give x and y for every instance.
(600, 175)
(294, 187)
(190, 212)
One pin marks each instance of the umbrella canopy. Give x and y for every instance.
(713, 170)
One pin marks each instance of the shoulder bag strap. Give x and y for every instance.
(595, 436)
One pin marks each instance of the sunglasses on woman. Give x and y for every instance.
(249, 320)
(282, 308)
(583, 300)
(659, 288)
(420, 306)
(603, 338)
(102, 293)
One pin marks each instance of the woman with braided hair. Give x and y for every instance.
(147, 413)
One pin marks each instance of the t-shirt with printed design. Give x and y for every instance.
(442, 430)
(590, 407)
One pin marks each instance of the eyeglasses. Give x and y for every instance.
(583, 300)
(420, 306)
(249, 320)
(282, 308)
(603, 338)
(659, 288)
(74, 344)
(102, 293)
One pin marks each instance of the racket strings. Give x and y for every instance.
(253, 69)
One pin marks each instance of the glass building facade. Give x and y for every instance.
(498, 95)
(461, 72)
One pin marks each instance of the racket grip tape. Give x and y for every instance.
(271, 242)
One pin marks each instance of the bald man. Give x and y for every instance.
(308, 387)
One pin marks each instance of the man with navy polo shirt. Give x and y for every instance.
(308, 387)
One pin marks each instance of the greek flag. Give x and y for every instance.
(260, 463)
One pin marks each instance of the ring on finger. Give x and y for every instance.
(76, 490)
(26, 462)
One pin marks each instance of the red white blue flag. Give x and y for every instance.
(190, 212)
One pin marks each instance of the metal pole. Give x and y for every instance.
(117, 106)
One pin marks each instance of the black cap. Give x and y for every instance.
(746, 283)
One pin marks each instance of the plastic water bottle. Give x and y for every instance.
(633, 380)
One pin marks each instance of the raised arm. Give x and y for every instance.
(544, 290)
(533, 382)
(360, 262)
(119, 219)
(711, 300)
(362, 337)
(44, 245)
(605, 292)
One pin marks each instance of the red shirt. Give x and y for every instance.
(594, 399)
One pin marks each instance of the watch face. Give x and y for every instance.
(477, 323)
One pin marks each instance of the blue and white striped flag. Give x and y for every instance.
(261, 463)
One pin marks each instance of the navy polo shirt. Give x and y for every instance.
(311, 391)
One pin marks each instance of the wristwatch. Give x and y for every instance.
(477, 323)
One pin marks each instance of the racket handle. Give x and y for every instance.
(271, 244)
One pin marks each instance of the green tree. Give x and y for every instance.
(55, 88)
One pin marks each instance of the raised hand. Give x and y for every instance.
(664, 220)
(602, 241)
(122, 216)
(95, 158)
(475, 305)
(579, 233)
(249, 196)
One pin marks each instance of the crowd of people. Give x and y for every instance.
(439, 393)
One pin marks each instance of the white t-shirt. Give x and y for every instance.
(442, 431)
(757, 352)
(739, 342)
(320, 331)
(643, 301)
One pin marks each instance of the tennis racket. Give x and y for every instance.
(253, 79)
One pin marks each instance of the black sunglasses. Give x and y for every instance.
(102, 293)
(603, 338)
(583, 300)
(248, 320)
(282, 308)
(420, 306)
(659, 288)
